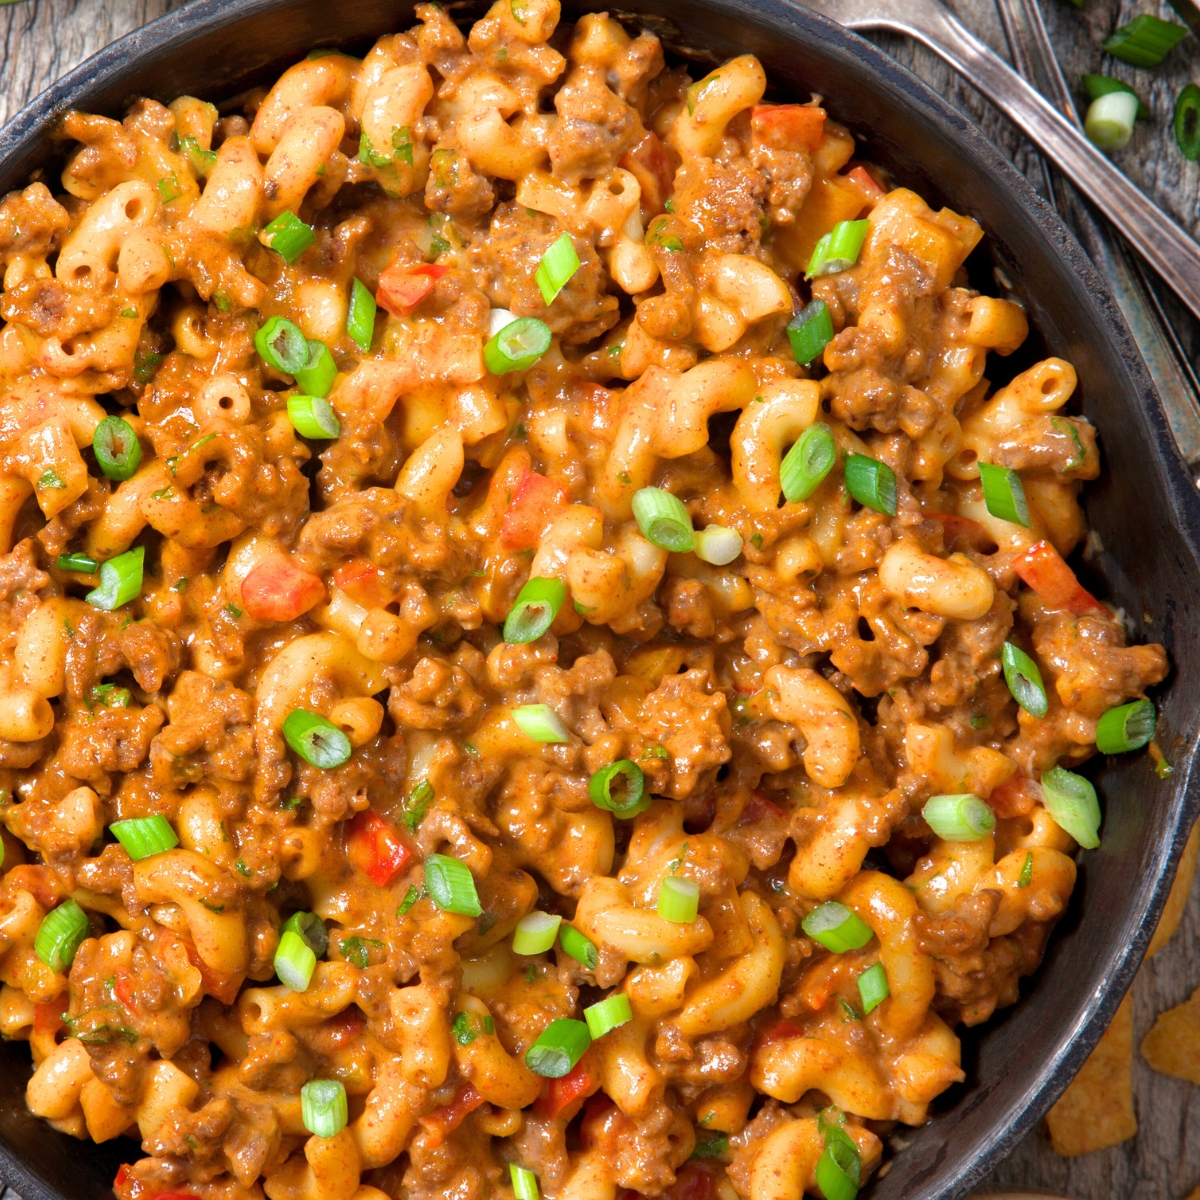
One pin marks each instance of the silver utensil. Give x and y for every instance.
(1175, 377)
(1174, 255)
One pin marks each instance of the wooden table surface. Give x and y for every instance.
(41, 39)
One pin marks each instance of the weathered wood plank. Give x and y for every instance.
(42, 39)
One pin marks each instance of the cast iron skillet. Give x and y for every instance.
(1143, 507)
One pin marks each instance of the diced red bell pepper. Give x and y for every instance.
(536, 504)
(278, 590)
(758, 807)
(864, 182)
(647, 160)
(218, 984)
(364, 583)
(376, 847)
(788, 126)
(123, 990)
(1045, 571)
(1014, 798)
(127, 1187)
(956, 528)
(564, 1097)
(401, 289)
(442, 1122)
(48, 1018)
(779, 1032)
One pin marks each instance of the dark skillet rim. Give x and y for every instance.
(203, 18)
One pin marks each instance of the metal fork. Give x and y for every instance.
(1172, 252)
(1174, 376)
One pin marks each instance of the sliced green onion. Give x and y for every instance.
(1145, 41)
(1004, 494)
(120, 580)
(871, 483)
(318, 374)
(524, 1182)
(541, 722)
(580, 948)
(537, 605)
(810, 331)
(110, 695)
(618, 787)
(1071, 801)
(839, 249)
(839, 1169)
(1187, 122)
(517, 346)
(144, 836)
(117, 449)
(1102, 85)
(961, 817)
(806, 464)
(294, 961)
(318, 741)
(313, 417)
(1126, 728)
(202, 161)
(873, 987)
(663, 520)
(62, 931)
(558, 264)
(1109, 120)
(715, 1147)
(836, 927)
(611, 1012)
(1024, 680)
(360, 316)
(311, 929)
(536, 932)
(288, 236)
(718, 545)
(1026, 876)
(678, 900)
(282, 345)
(323, 1107)
(78, 562)
(452, 886)
(561, 1045)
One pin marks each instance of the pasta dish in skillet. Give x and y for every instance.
(536, 662)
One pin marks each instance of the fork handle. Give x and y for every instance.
(1172, 252)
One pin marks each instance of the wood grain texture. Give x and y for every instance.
(42, 39)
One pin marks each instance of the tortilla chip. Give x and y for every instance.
(1177, 901)
(1172, 1046)
(1097, 1109)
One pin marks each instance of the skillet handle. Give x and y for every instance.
(1173, 254)
(1175, 379)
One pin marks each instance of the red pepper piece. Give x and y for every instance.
(278, 590)
(536, 505)
(376, 847)
(788, 126)
(1046, 572)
